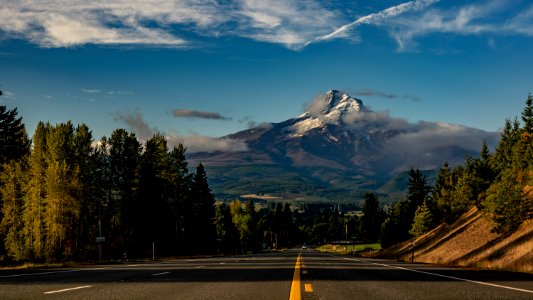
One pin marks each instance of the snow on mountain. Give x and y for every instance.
(331, 108)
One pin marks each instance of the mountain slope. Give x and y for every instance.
(341, 146)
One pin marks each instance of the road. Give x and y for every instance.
(265, 276)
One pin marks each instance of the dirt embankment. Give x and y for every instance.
(470, 241)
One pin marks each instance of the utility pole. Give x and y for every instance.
(100, 240)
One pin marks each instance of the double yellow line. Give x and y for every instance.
(296, 293)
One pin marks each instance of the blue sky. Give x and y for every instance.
(198, 69)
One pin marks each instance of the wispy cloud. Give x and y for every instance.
(492, 17)
(293, 24)
(376, 18)
(194, 141)
(375, 93)
(7, 94)
(154, 22)
(90, 91)
(136, 123)
(195, 114)
(201, 143)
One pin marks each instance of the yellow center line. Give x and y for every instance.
(296, 293)
(308, 288)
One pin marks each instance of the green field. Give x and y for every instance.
(345, 249)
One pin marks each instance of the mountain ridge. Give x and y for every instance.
(343, 145)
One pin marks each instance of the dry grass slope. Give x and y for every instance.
(470, 241)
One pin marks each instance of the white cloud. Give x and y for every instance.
(375, 18)
(194, 142)
(136, 123)
(200, 143)
(293, 24)
(484, 17)
(424, 137)
(54, 24)
(90, 91)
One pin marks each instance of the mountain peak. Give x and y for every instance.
(329, 108)
(337, 104)
(341, 101)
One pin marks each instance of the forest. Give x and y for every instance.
(66, 196)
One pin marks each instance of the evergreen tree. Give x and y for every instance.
(527, 115)
(11, 225)
(14, 142)
(226, 231)
(502, 157)
(423, 220)
(506, 204)
(83, 161)
(288, 225)
(63, 193)
(153, 222)
(121, 165)
(396, 227)
(33, 214)
(418, 189)
(178, 192)
(371, 219)
(203, 213)
(441, 194)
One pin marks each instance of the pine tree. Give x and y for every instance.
(506, 204)
(14, 142)
(418, 189)
(153, 223)
(371, 219)
(34, 205)
(441, 194)
(423, 220)
(396, 226)
(288, 225)
(63, 193)
(87, 168)
(527, 115)
(178, 192)
(203, 212)
(122, 158)
(11, 192)
(226, 231)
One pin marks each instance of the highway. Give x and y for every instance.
(294, 274)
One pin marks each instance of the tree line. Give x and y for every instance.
(500, 184)
(62, 193)
(65, 191)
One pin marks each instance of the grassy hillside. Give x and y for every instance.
(230, 182)
(470, 241)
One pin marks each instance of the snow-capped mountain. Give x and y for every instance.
(340, 143)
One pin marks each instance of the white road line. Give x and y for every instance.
(66, 290)
(445, 276)
(200, 267)
(159, 274)
(41, 273)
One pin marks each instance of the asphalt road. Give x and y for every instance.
(265, 276)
